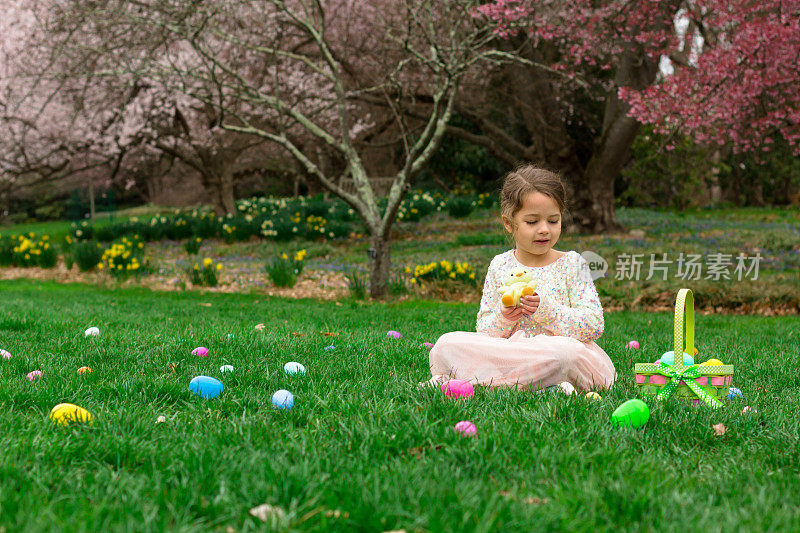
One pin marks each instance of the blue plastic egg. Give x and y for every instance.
(293, 368)
(669, 358)
(282, 399)
(733, 392)
(207, 387)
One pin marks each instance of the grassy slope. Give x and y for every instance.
(352, 442)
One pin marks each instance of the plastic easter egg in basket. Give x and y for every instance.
(668, 358)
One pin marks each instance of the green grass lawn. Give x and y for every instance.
(364, 449)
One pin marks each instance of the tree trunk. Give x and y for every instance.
(224, 202)
(379, 264)
(218, 183)
(91, 200)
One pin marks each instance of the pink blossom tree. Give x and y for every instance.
(592, 74)
(736, 79)
(51, 126)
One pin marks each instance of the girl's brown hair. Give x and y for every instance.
(526, 179)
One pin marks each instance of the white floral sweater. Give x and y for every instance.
(569, 304)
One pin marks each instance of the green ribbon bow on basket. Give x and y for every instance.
(688, 375)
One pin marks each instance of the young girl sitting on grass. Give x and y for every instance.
(548, 339)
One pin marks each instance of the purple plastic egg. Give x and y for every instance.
(200, 351)
(466, 428)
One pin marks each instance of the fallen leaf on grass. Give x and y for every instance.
(417, 452)
(533, 500)
(719, 429)
(298, 334)
(205, 305)
(266, 512)
(530, 500)
(260, 327)
(328, 333)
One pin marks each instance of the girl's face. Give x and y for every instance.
(536, 228)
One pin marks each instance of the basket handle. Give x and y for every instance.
(684, 304)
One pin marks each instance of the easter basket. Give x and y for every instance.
(696, 383)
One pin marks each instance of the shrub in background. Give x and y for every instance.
(192, 245)
(205, 225)
(86, 254)
(6, 250)
(124, 258)
(283, 271)
(205, 273)
(357, 283)
(460, 206)
(82, 231)
(27, 251)
(397, 284)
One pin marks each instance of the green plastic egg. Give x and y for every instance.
(632, 414)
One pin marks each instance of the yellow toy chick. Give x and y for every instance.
(517, 284)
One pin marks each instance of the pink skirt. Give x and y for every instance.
(521, 361)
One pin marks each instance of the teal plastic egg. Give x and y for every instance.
(633, 414)
(669, 358)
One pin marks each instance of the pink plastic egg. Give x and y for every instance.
(200, 351)
(458, 388)
(35, 374)
(466, 428)
(633, 345)
(426, 345)
(394, 334)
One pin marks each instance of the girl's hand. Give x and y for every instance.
(511, 313)
(529, 304)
